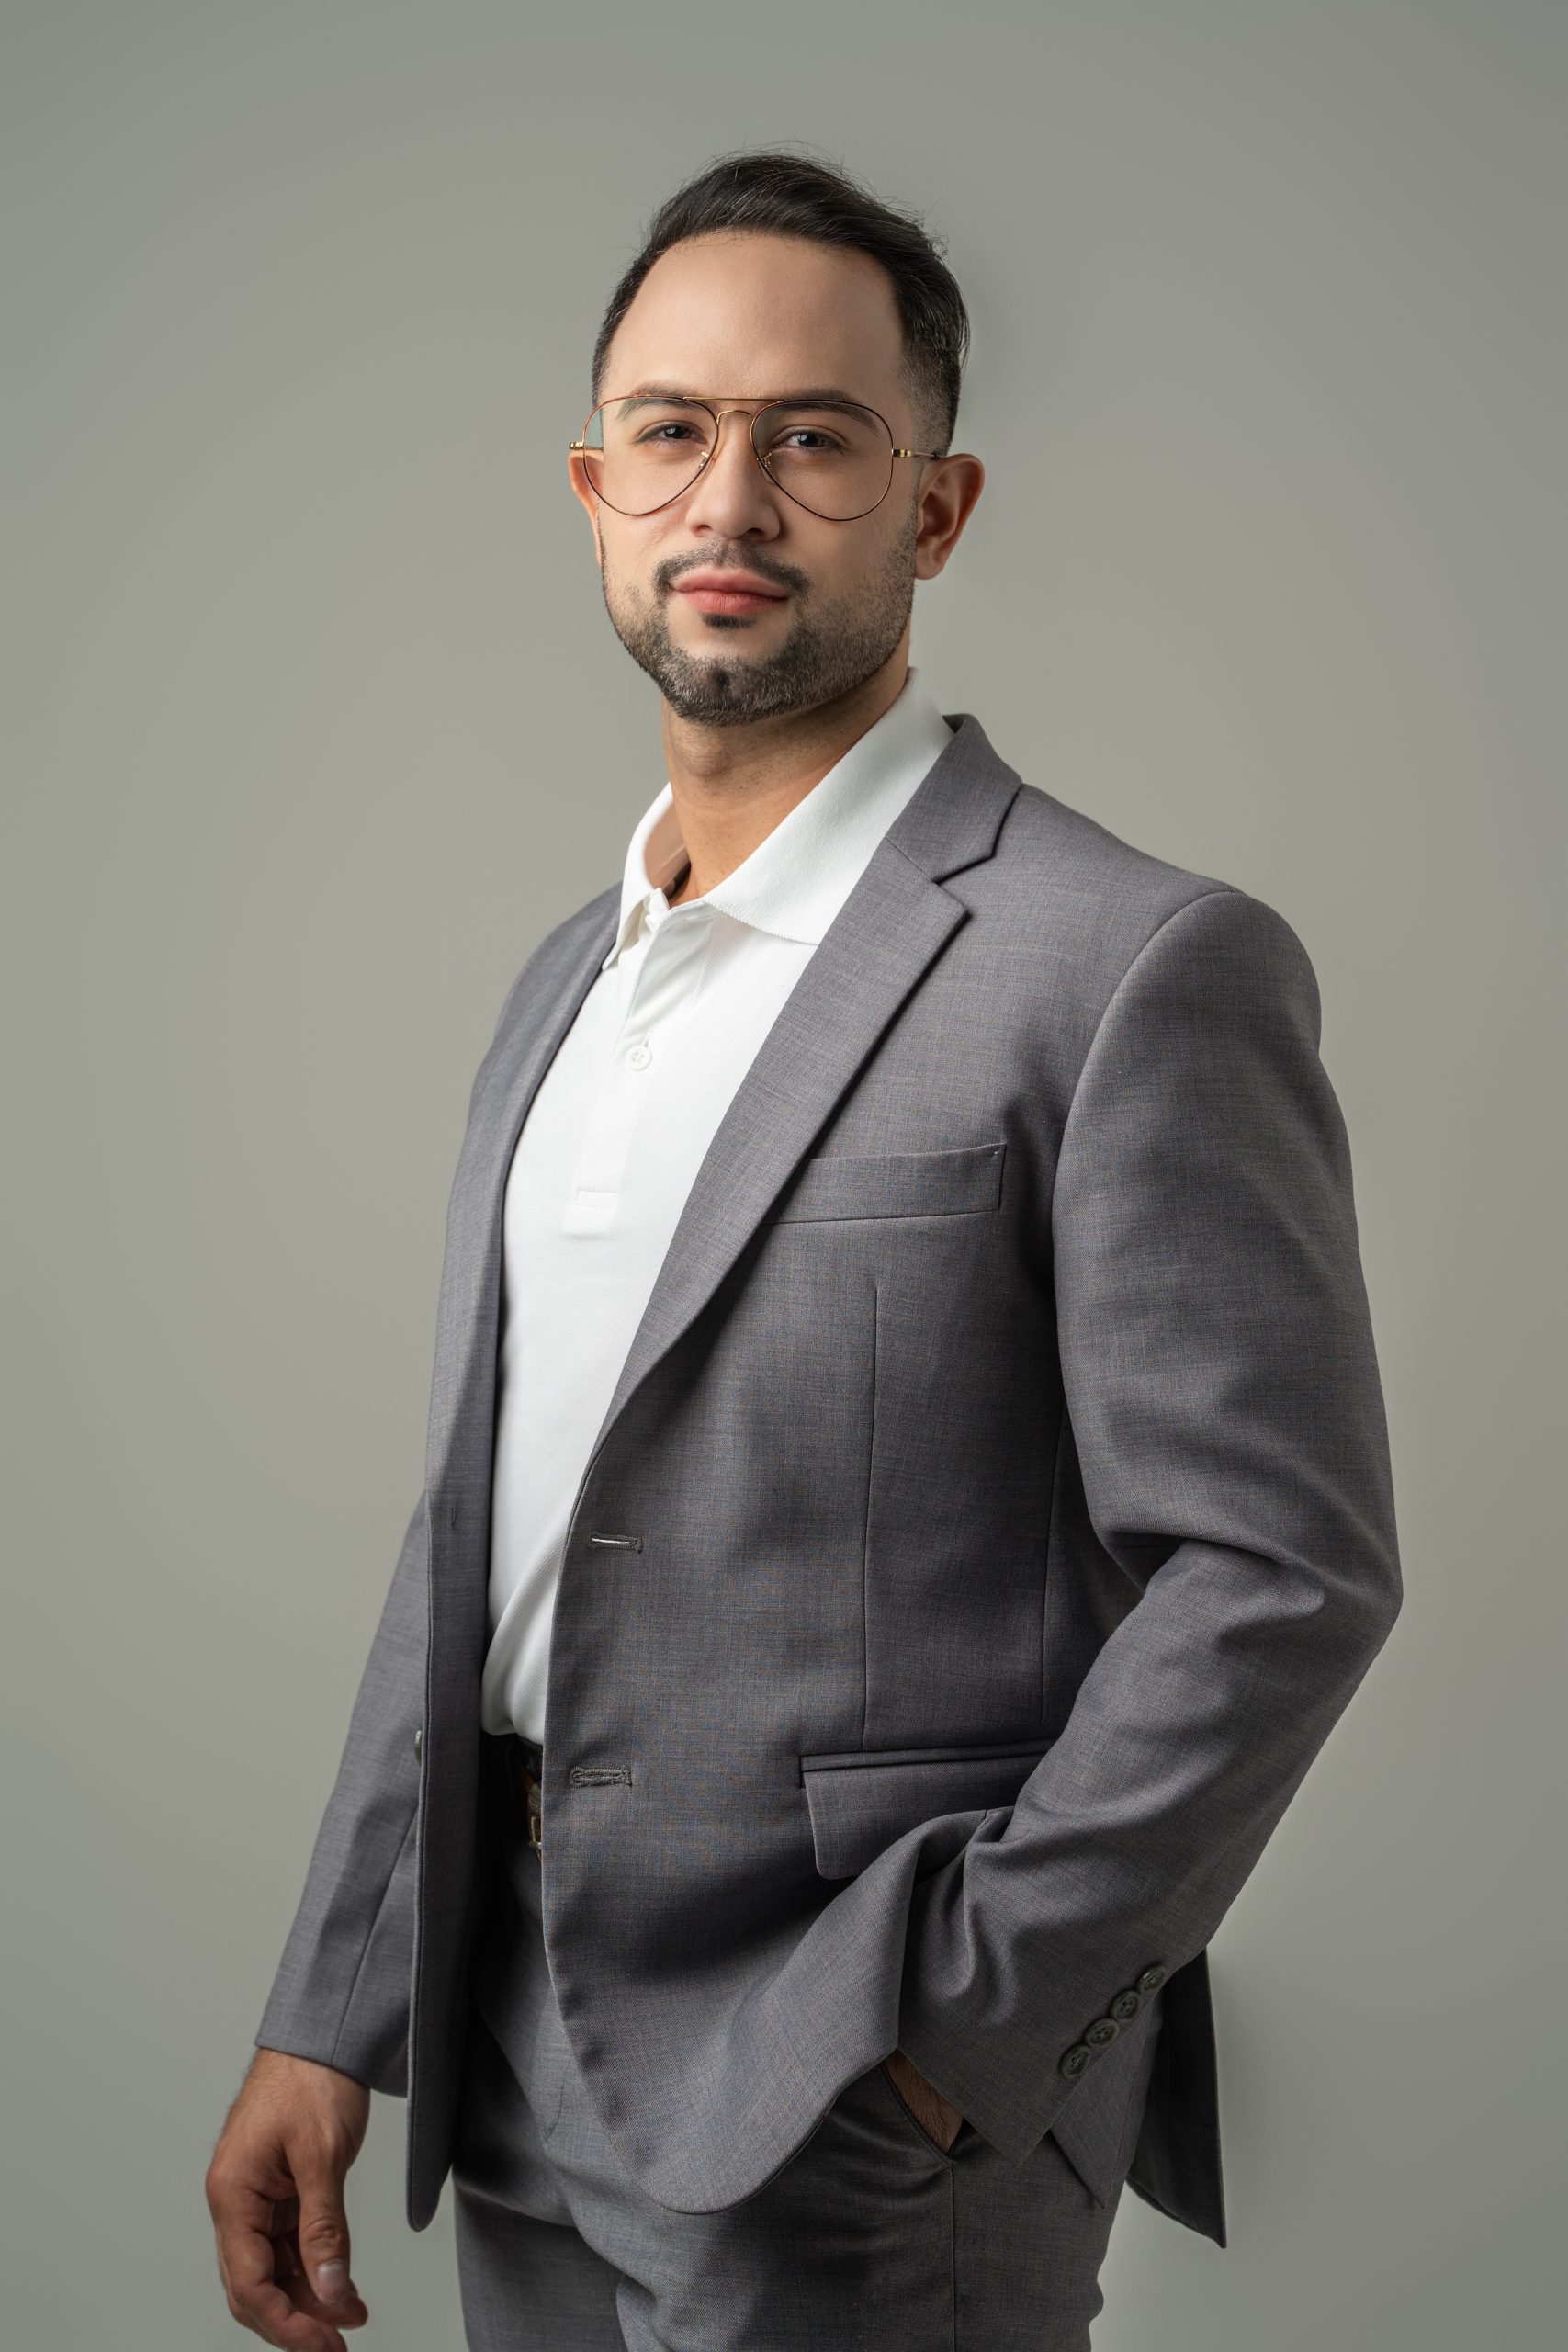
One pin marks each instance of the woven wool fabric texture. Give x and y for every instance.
(871, 2236)
(1007, 1390)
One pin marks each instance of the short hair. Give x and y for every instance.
(793, 195)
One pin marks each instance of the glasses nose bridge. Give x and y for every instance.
(735, 408)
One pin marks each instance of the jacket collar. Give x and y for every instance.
(896, 920)
(798, 877)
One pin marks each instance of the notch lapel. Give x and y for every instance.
(885, 935)
(545, 1000)
(889, 930)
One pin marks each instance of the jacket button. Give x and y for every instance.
(1126, 2005)
(1079, 2056)
(1152, 1979)
(1102, 2031)
(419, 1744)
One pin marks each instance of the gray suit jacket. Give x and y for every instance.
(1004, 1450)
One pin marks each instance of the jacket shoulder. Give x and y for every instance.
(561, 946)
(575, 930)
(1087, 866)
(1102, 900)
(1080, 920)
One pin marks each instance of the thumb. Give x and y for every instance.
(323, 2229)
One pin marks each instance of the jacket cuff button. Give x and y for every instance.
(1079, 2056)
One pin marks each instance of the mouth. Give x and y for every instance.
(707, 595)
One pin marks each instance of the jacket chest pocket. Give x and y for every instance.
(898, 1183)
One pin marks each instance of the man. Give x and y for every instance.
(906, 1495)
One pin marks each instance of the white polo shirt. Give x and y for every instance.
(615, 1135)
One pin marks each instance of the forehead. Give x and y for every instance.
(755, 314)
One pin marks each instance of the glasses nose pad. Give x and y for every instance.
(719, 416)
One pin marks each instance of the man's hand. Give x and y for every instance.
(935, 2115)
(275, 2191)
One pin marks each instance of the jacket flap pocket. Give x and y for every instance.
(861, 1802)
(899, 1183)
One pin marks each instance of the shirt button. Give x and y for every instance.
(640, 1055)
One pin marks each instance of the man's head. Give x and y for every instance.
(769, 275)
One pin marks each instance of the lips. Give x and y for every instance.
(737, 592)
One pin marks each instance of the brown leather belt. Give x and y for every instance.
(525, 1765)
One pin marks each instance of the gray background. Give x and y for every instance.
(315, 724)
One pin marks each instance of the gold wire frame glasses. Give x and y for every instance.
(642, 451)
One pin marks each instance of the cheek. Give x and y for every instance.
(628, 588)
(877, 567)
(631, 562)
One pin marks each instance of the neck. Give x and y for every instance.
(731, 785)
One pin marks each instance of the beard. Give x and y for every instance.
(825, 654)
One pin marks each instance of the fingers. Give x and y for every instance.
(322, 2233)
(275, 2191)
(267, 2288)
(259, 2303)
(931, 2110)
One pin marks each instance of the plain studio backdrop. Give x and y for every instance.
(315, 725)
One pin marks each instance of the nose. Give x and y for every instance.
(732, 496)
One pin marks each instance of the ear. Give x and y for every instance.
(583, 491)
(949, 489)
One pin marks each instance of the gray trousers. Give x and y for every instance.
(871, 2239)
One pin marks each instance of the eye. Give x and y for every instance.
(819, 433)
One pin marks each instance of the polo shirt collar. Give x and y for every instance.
(798, 877)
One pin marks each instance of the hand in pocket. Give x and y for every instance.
(936, 2115)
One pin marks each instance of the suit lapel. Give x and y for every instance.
(889, 930)
(883, 938)
(545, 1000)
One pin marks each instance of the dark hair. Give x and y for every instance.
(793, 197)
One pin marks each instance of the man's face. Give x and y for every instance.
(753, 317)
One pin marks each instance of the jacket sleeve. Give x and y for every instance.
(342, 1991)
(1220, 1382)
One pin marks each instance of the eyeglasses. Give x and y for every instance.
(834, 458)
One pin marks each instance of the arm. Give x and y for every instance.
(336, 2021)
(343, 1992)
(1220, 1378)
(341, 1995)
